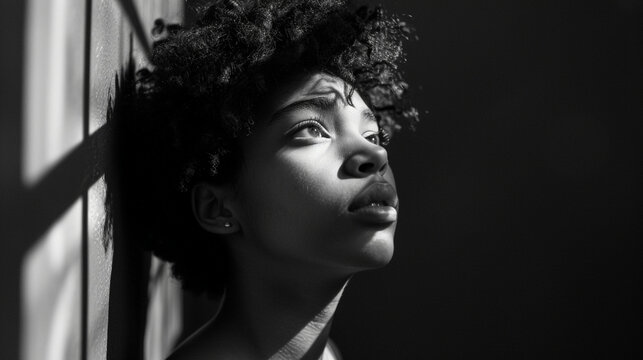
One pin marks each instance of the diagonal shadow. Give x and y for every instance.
(29, 212)
(26, 213)
(42, 204)
(132, 15)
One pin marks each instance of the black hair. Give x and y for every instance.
(190, 108)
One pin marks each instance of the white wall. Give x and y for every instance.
(68, 81)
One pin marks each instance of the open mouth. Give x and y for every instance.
(376, 204)
(374, 195)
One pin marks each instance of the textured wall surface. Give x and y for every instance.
(53, 106)
(74, 51)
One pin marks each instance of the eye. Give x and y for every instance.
(381, 138)
(308, 129)
(374, 138)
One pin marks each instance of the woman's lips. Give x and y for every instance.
(376, 214)
(377, 204)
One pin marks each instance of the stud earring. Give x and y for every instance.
(227, 224)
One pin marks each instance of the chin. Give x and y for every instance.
(379, 252)
(375, 252)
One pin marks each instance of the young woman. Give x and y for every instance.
(257, 166)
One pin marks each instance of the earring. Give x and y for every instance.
(227, 224)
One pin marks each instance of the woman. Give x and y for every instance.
(256, 166)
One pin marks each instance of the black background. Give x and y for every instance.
(520, 191)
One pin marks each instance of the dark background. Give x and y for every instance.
(520, 191)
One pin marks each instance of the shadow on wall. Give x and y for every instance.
(58, 64)
(145, 302)
(147, 314)
(53, 192)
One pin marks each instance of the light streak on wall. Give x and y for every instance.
(69, 267)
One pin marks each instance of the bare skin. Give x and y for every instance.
(293, 233)
(262, 320)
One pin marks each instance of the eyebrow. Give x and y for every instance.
(322, 104)
(369, 115)
(314, 104)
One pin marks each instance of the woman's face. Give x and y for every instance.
(316, 187)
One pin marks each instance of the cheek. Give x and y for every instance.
(294, 207)
(388, 176)
(286, 200)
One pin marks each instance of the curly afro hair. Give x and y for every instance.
(191, 108)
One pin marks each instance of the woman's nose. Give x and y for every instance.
(367, 160)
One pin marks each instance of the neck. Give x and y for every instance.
(281, 313)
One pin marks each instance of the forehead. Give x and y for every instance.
(319, 84)
(304, 87)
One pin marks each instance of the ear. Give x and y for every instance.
(209, 208)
